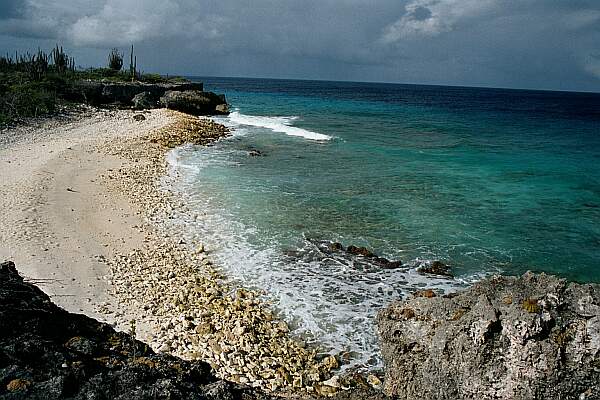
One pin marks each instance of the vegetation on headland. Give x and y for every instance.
(32, 85)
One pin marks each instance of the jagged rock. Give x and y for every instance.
(195, 102)
(222, 109)
(143, 101)
(48, 353)
(387, 264)
(435, 268)
(529, 337)
(335, 246)
(360, 251)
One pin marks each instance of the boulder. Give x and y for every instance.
(360, 251)
(387, 264)
(529, 337)
(195, 102)
(143, 101)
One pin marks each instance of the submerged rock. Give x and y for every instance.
(529, 337)
(435, 268)
(363, 253)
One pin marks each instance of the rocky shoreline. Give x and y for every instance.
(173, 287)
(529, 337)
(48, 353)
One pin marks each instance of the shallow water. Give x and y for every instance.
(485, 180)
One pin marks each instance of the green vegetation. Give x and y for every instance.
(31, 85)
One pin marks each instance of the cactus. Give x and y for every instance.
(115, 60)
(131, 65)
(61, 60)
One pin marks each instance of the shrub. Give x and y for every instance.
(26, 100)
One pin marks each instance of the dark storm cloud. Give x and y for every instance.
(522, 43)
(10, 8)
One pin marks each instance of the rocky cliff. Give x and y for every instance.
(187, 97)
(529, 337)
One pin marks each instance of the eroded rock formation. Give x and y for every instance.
(529, 337)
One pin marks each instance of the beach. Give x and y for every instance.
(86, 203)
(62, 222)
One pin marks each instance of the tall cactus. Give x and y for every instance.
(61, 60)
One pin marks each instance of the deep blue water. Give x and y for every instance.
(485, 180)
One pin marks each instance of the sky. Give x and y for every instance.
(539, 44)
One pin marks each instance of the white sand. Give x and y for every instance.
(57, 221)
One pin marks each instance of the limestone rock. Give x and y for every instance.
(529, 337)
(143, 101)
(98, 92)
(195, 102)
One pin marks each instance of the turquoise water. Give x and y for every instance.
(485, 180)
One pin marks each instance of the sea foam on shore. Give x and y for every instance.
(174, 288)
(330, 300)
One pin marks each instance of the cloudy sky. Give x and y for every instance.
(549, 44)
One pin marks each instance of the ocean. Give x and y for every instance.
(484, 180)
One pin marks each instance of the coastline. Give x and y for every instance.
(92, 241)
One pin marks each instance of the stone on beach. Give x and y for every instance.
(143, 101)
(192, 312)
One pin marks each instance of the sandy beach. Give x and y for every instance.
(82, 209)
(58, 221)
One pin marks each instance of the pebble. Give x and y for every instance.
(181, 295)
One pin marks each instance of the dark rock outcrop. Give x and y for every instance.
(195, 102)
(186, 97)
(435, 268)
(360, 251)
(529, 337)
(357, 253)
(98, 93)
(48, 353)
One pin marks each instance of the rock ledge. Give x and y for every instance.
(529, 337)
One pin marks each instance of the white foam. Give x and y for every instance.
(276, 124)
(329, 300)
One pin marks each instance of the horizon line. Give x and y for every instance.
(400, 83)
